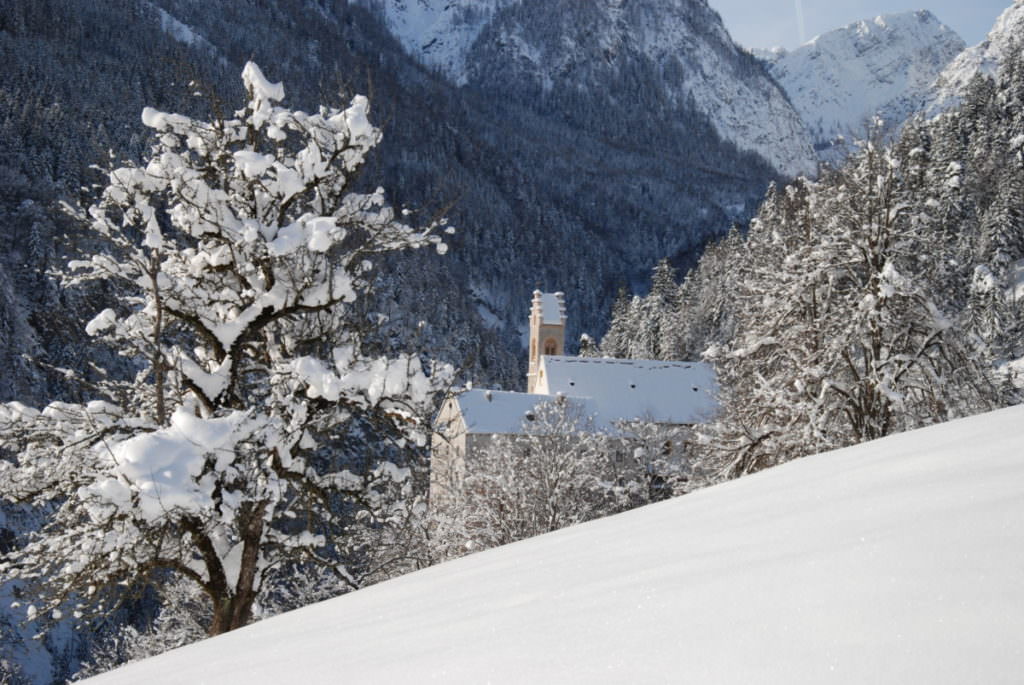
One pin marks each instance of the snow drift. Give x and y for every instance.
(896, 561)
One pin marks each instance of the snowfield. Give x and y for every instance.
(897, 561)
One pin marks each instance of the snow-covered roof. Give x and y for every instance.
(550, 307)
(494, 411)
(605, 391)
(624, 389)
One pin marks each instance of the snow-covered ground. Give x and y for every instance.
(898, 561)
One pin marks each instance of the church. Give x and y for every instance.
(607, 392)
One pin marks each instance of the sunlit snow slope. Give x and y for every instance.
(898, 561)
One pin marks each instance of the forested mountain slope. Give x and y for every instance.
(570, 187)
(653, 55)
(884, 296)
(983, 59)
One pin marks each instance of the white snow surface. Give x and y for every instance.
(1007, 34)
(896, 561)
(630, 389)
(840, 80)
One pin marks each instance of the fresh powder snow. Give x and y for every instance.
(895, 561)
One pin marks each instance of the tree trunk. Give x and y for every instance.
(235, 610)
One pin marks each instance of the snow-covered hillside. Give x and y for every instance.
(897, 561)
(839, 80)
(1007, 34)
(679, 49)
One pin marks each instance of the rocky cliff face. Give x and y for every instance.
(840, 80)
(676, 53)
(438, 33)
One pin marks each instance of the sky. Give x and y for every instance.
(789, 23)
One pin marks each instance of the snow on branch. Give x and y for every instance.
(240, 253)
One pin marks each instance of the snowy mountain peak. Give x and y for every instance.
(678, 49)
(438, 33)
(839, 80)
(1007, 34)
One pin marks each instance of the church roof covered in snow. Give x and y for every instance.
(494, 411)
(603, 391)
(625, 389)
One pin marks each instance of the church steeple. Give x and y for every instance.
(547, 331)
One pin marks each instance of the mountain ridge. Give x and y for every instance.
(984, 58)
(682, 48)
(841, 79)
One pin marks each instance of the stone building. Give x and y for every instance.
(607, 392)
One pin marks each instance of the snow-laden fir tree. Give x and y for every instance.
(842, 333)
(242, 254)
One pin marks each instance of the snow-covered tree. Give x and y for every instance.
(559, 470)
(706, 314)
(588, 347)
(843, 335)
(616, 341)
(651, 463)
(258, 422)
(556, 472)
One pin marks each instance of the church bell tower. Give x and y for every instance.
(547, 332)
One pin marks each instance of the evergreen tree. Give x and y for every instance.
(616, 341)
(840, 336)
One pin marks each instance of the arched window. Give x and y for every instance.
(533, 349)
(550, 346)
